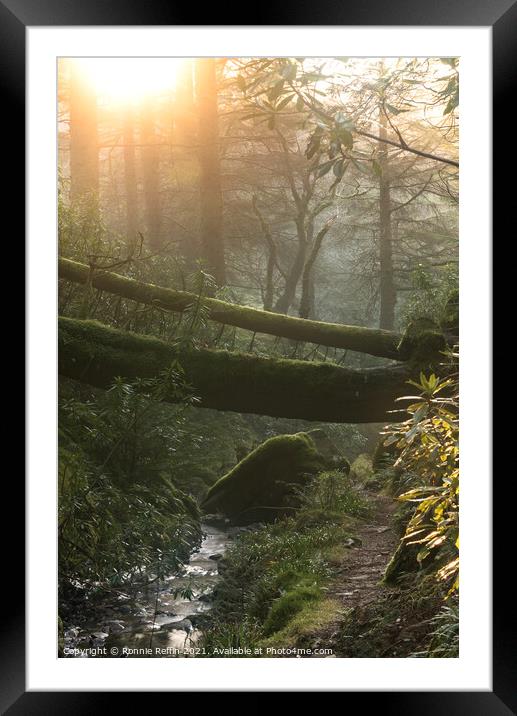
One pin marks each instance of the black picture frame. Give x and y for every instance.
(15, 17)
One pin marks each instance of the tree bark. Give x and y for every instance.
(356, 338)
(210, 195)
(307, 298)
(272, 260)
(95, 354)
(293, 277)
(84, 140)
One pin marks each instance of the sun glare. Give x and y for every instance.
(126, 78)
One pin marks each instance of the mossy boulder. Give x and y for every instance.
(262, 486)
(362, 468)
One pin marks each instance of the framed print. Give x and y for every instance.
(249, 248)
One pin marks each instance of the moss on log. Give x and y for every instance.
(373, 341)
(424, 341)
(96, 354)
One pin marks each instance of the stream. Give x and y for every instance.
(154, 622)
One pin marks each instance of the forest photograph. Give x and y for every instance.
(258, 357)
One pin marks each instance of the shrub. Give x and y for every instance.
(121, 517)
(428, 445)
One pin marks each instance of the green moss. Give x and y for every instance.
(304, 627)
(362, 468)
(260, 485)
(369, 340)
(403, 561)
(423, 343)
(244, 383)
(288, 606)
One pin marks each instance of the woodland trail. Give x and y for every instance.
(358, 578)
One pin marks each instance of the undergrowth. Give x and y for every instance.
(274, 578)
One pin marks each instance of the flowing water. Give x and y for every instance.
(156, 621)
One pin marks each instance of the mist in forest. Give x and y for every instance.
(258, 262)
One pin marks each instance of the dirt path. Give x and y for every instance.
(363, 567)
(358, 578)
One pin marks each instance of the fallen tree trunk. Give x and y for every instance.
(95, 354)
(355, 338)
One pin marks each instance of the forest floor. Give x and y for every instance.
(358, 581)
(373, 619)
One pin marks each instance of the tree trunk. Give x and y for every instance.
(367, 340)
(285, 301)
(388, 295)
(84, 140)
(271, 258)
(210, 196)
(244, 383)
(307, 300)
(184, 114)
(130, 177)
(151, 176)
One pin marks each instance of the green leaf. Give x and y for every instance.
(395, 110)
(275, 91)
(324, 168)
(343, 122)
(345, 137)
(339, 168)
(284, 102)
(377, 167)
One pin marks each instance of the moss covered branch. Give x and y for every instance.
(355, 338)
(95, 354)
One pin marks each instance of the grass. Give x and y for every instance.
(445, 637)
(409, 621)
(289, 605)
(272, 591)
(302, 626)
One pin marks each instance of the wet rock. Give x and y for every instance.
(222, 566)
(199, 621)
(114, 626)
(215, 557)
(183, 625)
(97, 638)
(149, 626)
(218, 521)
(352, 542)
